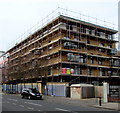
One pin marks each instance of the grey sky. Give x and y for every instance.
(17, 16)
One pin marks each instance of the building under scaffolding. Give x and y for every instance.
(65, 50)
(3, 67)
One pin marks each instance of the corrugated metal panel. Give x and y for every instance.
(28, 86)
(35, 86)
(60, 90)
(10, 88)
(4, 88)
(14, 88)
(20, 87)
(56, 90)
(7, 88)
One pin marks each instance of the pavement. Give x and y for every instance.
(110, 106)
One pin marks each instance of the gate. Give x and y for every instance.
(114, 93)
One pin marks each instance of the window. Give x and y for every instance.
(101, 50)
(110, 37)
(87, 31)
(49, 41)
(71, 27)
(109, 46)
(88, 48)
(109, 72)
(116, 63)
(102, 35)
(76, 35)
(97, 33)
(79, 46)
(103, 73)
(115, 74)
(67, 26)
(74, 46)
(93, 32)
(83, 30)
(91, 60)
(100, 61)
(49, 71)
(81, 59)
(89, 71)
(88, 42)
(102, 45)
(80, 71)
(34, 91)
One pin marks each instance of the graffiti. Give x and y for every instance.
(76, 90)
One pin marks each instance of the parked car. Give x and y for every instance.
(31, 93)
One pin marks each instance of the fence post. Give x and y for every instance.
(105, 92)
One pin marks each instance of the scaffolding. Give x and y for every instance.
(56, 13)
(64, 49)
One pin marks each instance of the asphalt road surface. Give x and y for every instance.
(16, 103)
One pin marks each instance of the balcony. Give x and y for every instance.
(70, 57)
(115, 74)
(49, 61)
(86, 31)
(113, 51)
(73, 47)
(115, 63)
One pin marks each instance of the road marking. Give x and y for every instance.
(33, 104)
(14, 103)
(8, 102)
(21, 105)
(12, 99)
(62, 109)
(39, 110)
(30, 108)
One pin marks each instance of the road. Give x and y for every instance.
(15, 103)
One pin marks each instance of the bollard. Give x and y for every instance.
(100, 103)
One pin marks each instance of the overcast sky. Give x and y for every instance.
(17, 16)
